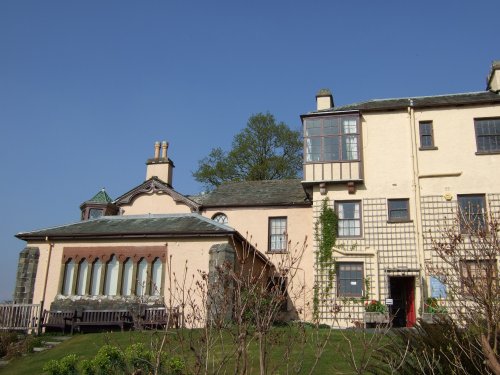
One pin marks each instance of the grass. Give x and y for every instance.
(290, 350)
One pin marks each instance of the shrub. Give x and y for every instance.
(64, 366)
(109, 359)
(440, 348)
(6, 339)
(139, 358)
(176, 365)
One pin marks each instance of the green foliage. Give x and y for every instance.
(325, 234)
(325, 231)
(87, 367)
(139, 357)
(176, 365)
(432, 306)
(109, 360)
(263, 150)
(65, 366)
(375, 306)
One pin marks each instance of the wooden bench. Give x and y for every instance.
(56, 319)
(102, 318)
(159, 317)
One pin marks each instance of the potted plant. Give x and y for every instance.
(376, 312)
(432, 310)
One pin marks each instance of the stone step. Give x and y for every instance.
(60, 338)
(51, 343)
(40, 349)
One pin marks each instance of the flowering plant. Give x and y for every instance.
(375, 306)
(432, 306)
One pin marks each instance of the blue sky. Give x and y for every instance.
(86, 87)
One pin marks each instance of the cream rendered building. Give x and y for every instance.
(390, 168)
(393, 169)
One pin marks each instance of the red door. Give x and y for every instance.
(410, 302)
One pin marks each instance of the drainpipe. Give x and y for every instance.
(417, 195)
(42, 302)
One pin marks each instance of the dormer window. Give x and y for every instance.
(95, 213)
(220, 218)
(331, 139)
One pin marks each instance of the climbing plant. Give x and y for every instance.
(325, 234)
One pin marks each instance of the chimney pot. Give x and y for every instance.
(157, 150)
(164, 146)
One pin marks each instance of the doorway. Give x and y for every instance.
(402, 292)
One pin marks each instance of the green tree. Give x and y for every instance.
(263, 150)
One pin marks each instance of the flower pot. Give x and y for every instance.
(376, 317)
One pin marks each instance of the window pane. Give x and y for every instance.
(350, 147)
(96, 278)
(142, 269)
(82, 277)
(349, 126)
(472, 209)
(313, 149)
(331, 148)
(488, 135)
(128, 268)
(349, 215)
(69, 274)
(277, 234)
(350, 279)
(312, 127)
(111, 283)
(156, 272)
(331, 126)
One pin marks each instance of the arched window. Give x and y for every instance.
(111, 282)
(128, 268)
(142, 271)
(69, 274)
(95, 282)
(220, 218)
(82, 277)
(156, 272)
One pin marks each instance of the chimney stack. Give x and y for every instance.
(493, 80)
(160, 167)
(324, 100)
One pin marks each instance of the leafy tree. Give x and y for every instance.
(263, 150)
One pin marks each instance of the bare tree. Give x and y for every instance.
(466, 253)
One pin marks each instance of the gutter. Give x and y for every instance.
(127, 235)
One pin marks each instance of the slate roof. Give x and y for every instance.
(173, 225)
(471, 98)
(256, 193)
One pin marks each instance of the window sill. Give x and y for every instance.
(399, 221)
(427, 148)
(276, 251)
(488, 152)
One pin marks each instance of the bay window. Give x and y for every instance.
(332, 138)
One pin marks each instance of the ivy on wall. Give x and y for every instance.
(325, 234)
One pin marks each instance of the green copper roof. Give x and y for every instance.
(101, 197)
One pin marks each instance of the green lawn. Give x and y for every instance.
(291, 350)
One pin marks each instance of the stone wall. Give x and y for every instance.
(26, 275)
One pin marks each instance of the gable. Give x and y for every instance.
(154, 197)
